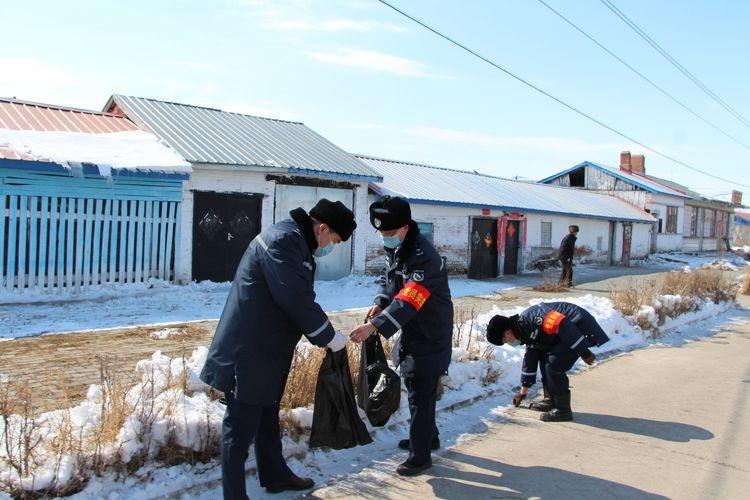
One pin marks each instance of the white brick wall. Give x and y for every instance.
(451, 227)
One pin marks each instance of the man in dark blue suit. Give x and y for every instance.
(271, 305)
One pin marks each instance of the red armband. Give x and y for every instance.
(552, 321)
(415, 294)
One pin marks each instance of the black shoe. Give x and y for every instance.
(404, 444)
(409, 469)
(546, 404)
(561, 412)
(294, 483)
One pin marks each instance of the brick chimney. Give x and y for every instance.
(625, 161)
(638, 164)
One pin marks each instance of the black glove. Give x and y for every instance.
(588, 357)
(517, 399)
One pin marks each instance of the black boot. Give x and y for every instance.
(545, 404)
(561, 411)
(435, 445)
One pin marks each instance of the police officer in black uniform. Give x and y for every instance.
(270, 306)
(555, 334)
(414, 297)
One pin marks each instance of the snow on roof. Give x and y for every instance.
(434, 185)
(132, 150)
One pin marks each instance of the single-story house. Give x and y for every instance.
(631, 183)
(86, 198)
(248, 173)
(687, 220)
(488, 226)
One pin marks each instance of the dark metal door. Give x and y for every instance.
(223, 227)
(483, 261)
(511, 247)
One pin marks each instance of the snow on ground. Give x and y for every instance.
(35, 312)
(481, 374)
(680, 260)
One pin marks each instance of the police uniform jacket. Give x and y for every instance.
(544, 326)
(271, 305)
(415, 298)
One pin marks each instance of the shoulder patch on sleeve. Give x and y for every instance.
(552, 322)
(417, 276)
(538, 321)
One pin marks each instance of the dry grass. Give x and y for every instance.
(629, 299)
(675, 293)
(745, 287)
(550, 282)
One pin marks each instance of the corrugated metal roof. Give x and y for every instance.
(642, 181)
(24, 115)
(427, 184)
(207, 135)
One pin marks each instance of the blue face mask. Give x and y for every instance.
(323, 251)
(391, 241)
(515, 343)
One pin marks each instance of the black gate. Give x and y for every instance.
(511, 247)
(483, 262)
(223, 227)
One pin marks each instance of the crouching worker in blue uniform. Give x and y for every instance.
(414, 297)
(555, 334)
(271, 305)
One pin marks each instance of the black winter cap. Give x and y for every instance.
(496, 329)
(336, 215)
(389, 213)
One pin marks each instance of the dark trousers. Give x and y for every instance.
(566, 276)
(244, 425)
(422, 428)
(558, 361)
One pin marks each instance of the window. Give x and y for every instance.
(546, 234)
(710, 224)
(671, 220)
(599, 243)
(427, 229)
(693, 221)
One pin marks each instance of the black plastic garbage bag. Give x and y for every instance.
(336, 423)
(379, 391)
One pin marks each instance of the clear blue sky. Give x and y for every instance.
(374, 83)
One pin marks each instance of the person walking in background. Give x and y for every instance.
(565, 254)
(414, 297)
(270, 306)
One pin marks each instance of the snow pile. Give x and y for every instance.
(120, 150)
(165, 333)
(165, 414)
(169, 416)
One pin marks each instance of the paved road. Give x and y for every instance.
(668, 422)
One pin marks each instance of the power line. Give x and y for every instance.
(556, 99)
(674, 62)
(644, 77)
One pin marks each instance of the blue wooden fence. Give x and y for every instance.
(58, 231)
